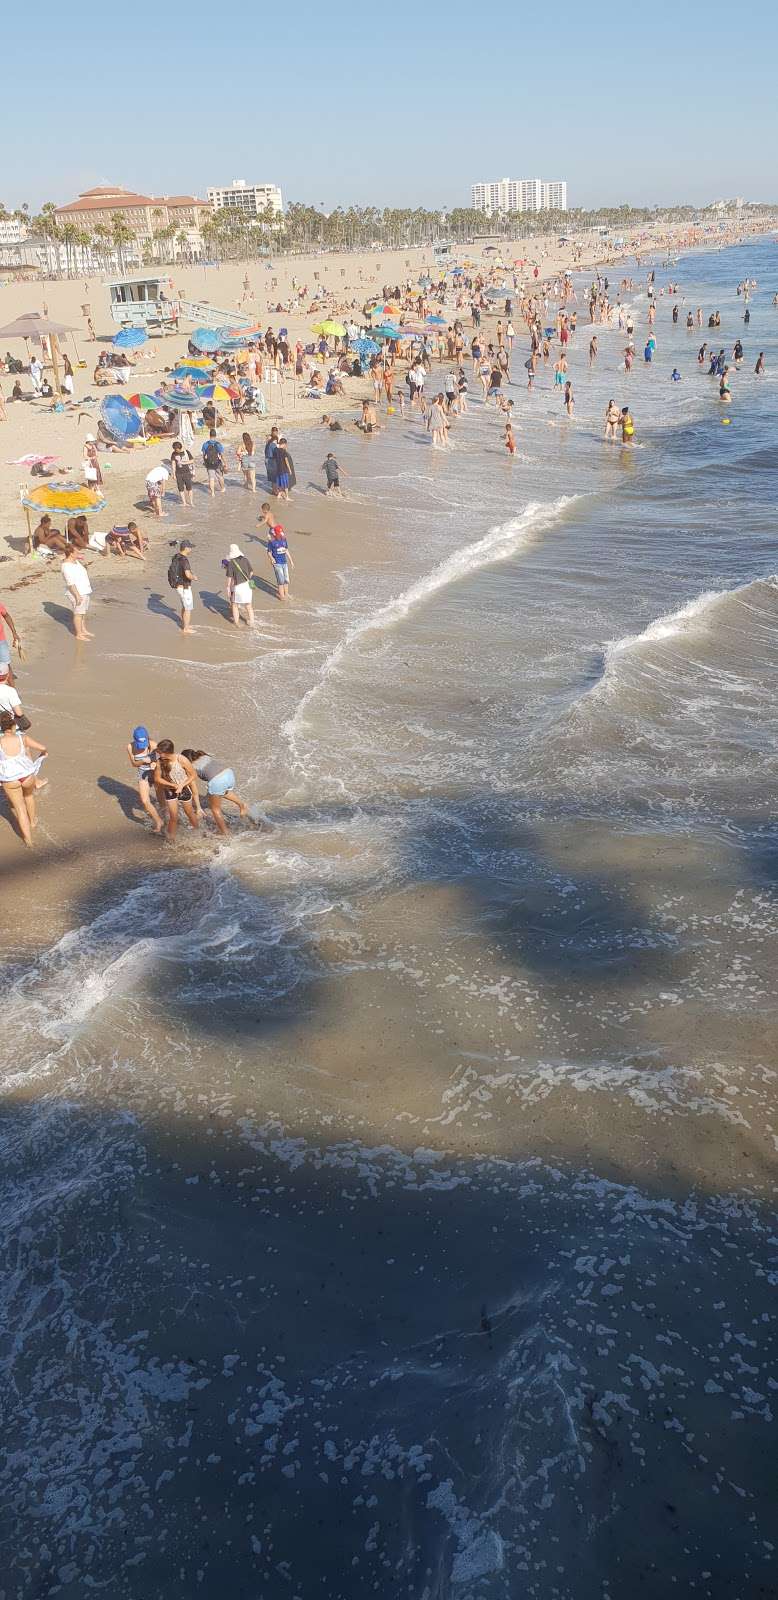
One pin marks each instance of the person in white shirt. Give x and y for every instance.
(67, 385)
(36, 373)
(9, 698)
(156, 480)
(76, 580)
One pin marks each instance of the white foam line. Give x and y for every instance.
(677, 622)
(496, 545)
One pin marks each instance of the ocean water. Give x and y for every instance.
(387, 1198)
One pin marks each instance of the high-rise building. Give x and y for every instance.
(519, 194)
(248, 198)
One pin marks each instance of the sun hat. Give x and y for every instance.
(90, 439)
(233, 551)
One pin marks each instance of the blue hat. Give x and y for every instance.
(140, 738)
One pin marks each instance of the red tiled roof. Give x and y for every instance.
(110, 200)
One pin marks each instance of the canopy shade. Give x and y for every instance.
(32, 325)
(63, 497)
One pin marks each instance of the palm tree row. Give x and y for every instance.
(235, 235)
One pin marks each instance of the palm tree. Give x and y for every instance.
(69, 234)
(121, 234)
(157, 217)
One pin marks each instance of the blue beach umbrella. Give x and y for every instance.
(179, 400)
(364, 347)
(199, 374)
(387, 332)
(129, 338)
(436, 322)
(121, 419)
(206, 339)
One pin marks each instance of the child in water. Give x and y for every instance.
(675, 375)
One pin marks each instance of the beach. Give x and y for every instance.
(403, 1169)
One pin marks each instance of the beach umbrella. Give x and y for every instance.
(120, 418)
(179, 400)
(32, 325)
(141, 402)
(425, 282)
(216, 391)
(32, 460)
(382, 332)
(364, 347)
(63, 497)
(200, 363)
(129, 338)
(205, 339)
(435, 322)
(332, 329)
(189, 371)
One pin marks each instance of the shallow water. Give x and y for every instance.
(405, 1173)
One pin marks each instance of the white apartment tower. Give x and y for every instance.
(519, 194)
(247, 198)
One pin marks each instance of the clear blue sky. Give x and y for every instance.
(651, 104)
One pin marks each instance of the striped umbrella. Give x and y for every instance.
(63, 497)
(143, 402)
(179, 400)
(216, 391)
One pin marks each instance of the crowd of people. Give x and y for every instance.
(430, 332)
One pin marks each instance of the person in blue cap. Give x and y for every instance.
(141, 751)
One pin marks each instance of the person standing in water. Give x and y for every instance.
(611, 419)
(220, 784)
(142, 753)
(627, 425)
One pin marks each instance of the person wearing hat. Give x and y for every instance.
(239, 590)
(92, 474)
(181, 577)
(141, 751)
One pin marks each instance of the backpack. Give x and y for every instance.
(174, 573)
(212, 456)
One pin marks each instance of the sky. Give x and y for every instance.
(407, 106)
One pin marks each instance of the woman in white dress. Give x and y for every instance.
(19, 773)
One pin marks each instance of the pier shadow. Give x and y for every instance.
(292, 1325)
